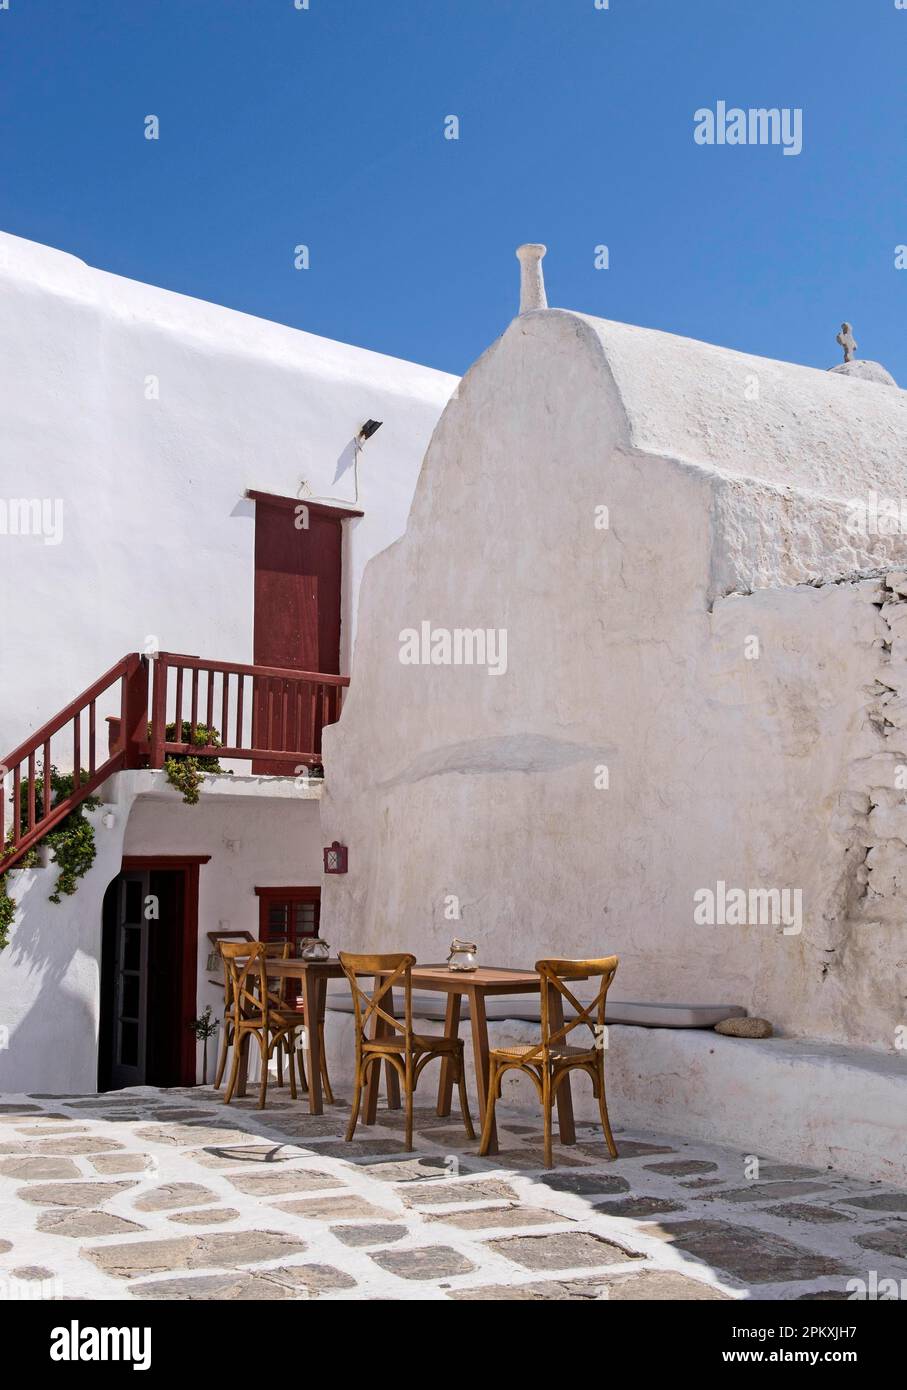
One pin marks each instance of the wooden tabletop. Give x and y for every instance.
(293, 967)
(490, 979)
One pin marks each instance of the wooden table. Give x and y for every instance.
(314, 975)
(476, 986)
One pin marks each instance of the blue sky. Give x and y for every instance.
(324, 127)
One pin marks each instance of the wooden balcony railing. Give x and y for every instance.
(266, 714)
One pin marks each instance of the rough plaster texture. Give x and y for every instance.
(624, 652)
(784, 448)
(157, 535)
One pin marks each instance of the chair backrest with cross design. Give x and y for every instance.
(386, 972)
(248, 995)
(591, 1015)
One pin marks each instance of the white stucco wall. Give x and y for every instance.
(449, 782)
(157, 536)
(50, 971)
(50, 976)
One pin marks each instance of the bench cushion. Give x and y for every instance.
(526, 1008)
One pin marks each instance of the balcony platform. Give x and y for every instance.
(125, 787)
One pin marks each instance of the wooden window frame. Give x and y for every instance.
(291, 894)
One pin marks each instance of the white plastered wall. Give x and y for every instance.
(452, 785)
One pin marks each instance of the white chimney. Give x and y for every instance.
(532, 284)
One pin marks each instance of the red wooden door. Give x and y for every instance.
(297, 617)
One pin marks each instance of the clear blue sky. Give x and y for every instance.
(325, 127)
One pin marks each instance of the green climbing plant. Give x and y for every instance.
(7, 913)
(186, 771)
(72, 841)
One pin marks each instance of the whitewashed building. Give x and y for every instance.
(161, 461)
(631, 678)
(642, 657)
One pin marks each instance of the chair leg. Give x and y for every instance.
(222, 1059)
(358, 1083)
(488, 1121)
(547, 1103)
(464, 1102)
(325, 1079)
(265, 1057)
(410, 1092)
(291, 1061)
(234, 1070)
(603, 1112)
(280, 1038)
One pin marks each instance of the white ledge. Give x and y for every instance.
(154, 786)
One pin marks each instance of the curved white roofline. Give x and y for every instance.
(753, 417)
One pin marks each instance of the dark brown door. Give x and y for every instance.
(130, 983)
(297, 617)
(148, 981)
(167, 1025)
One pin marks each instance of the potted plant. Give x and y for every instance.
(204, 1027)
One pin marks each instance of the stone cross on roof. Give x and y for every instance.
(847, 341)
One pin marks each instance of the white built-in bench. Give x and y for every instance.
(526, 1009)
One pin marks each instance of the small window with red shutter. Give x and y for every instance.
(288, 914)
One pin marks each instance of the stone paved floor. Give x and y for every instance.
(169, 1194)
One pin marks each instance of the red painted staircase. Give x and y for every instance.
(280, 722)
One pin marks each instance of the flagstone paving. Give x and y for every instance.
(169, 1195)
